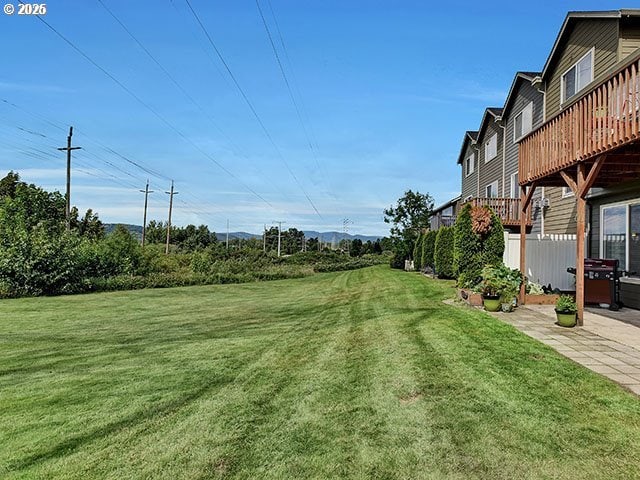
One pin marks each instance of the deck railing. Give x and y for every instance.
(604, 118)
(508, 209)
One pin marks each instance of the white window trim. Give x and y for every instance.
(469, 172)
(626, 203)
(567, 192)
(514, 188)
(493, 185)
(516, 139)
(592, 51)
(486, 145)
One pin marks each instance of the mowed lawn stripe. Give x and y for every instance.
(360, 374)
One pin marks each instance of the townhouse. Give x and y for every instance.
(561, 156)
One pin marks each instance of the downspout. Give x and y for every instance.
(504, 155)
(477, 158)
(538, 81)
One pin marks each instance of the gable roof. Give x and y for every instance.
(572, 18)
(469, 136)
(511, 96)
(495, 112)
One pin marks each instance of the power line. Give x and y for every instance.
(150, 108)
(250, 105)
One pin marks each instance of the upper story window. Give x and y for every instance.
(524, 122)
(577, 77)
(491, 190)
(469, 164)
(491, 148)
(514, 185)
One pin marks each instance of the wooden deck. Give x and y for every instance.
(508, 209)
(602, 122)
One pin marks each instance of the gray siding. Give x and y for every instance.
(492, 170)
(601, 34)
(524, 94)
(470, 183)
(560, 217)
(629, 40)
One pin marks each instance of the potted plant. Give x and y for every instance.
(566, 309)
(490, 288)
(499, 287)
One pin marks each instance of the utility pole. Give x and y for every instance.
(171, 194)
(146, 192)
(68, 149)
(279, 233)
(227, 234)
(345, 229)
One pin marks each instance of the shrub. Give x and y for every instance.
(417, 252)
(479, 241)
(428, 248)
(467, 253)
(443, 255)
(493, 243)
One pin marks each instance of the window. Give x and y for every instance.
(514, 186)
(491, 148)
(577, 77)
(620, 234)
(523, 122)
(567, 192)
(469, 164)
(491, 190)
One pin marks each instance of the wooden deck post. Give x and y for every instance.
(523, 241)
(525, 200)
(580, 228)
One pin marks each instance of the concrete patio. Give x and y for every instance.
(606, 346)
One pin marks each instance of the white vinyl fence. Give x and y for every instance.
(547, 258)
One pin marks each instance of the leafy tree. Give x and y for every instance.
(408, 218)
(356, 248)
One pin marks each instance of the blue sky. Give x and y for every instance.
(385, 91)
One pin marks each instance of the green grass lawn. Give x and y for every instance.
(359, 374)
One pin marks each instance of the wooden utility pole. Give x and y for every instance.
(146, 192)
(68, 149)
(279, 234)
(171, 194)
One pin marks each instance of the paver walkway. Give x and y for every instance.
(603, 345)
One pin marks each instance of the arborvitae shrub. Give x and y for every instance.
(467, 253)
(428, 247)
(472, 251)
(443, 254)
(493, 244)
(417, 253)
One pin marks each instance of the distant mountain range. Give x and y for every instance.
(323, 236)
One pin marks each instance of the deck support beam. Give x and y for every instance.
(580, 228)
(525, 200)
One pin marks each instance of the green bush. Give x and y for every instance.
(467, 253)
(472, 251)
(493, 244)
(417, 252)
(443, 255)
(428, 249)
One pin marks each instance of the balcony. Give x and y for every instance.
(601, 123)
(438, 221)
(508, 209)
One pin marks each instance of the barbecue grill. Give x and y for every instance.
(601, 281)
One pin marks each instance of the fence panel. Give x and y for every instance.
(547, 259)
